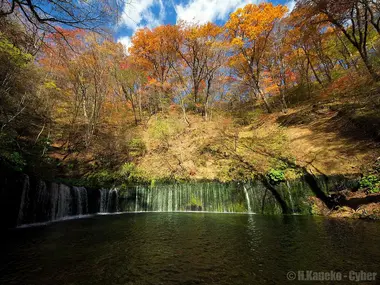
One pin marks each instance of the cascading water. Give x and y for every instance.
(35, 201)
(80, 200)
(288, 187)
(247, 198)
(42, 206)
(207, 197)
(62, 201)
(113, 201)
(109, 201)
(24, 201)
(103, 200)
(40, 202)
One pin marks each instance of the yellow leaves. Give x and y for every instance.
(237, 41)
(50, 84)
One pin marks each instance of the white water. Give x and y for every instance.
(248, 201)
(41, 202)
(290, 196)
(81, 199)
(109, 200)
(49, 203)
(179, 198)
(62, 199)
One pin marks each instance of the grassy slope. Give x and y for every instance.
(334, 135)
(335, 132)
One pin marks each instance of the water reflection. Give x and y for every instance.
(185, 248)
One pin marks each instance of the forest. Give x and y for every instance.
(271, 92)
(189, 142)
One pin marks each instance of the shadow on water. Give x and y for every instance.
(186, 248)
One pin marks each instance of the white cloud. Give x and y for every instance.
(126, 42)
(139, 13)
(291, 4)
(203, 11)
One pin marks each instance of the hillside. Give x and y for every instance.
(329, 136)
(267, 95)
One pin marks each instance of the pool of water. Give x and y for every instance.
(186, 248)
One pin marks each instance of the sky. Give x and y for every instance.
(139, 14)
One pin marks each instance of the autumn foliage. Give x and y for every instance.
(85, 91)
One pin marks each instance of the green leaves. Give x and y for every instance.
(371, 183)
(276, 176)
(14, 54)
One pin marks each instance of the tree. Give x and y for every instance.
(202, 51)
(277, 61)
(132, 82)
(250, 30)
(373, 8)
(86, 76)
(49, 14)
(153, 51)
(352, 17)
(314, 40)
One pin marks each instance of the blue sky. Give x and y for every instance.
(151, 13)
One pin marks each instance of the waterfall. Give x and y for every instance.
(40, 202)
(61, 201)
(247, 198)
(103, 200)
(137, 199)
(109, 201)
(113, 201)
(290, 196)
(36, 201)
(80, 200)
(42, 205)
(24, 201)
(207, 197)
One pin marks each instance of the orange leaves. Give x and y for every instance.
(250, 30)
(154, 50)
(253, 21)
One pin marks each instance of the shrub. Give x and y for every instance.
(371, 183)
(276, 176)
(130, 172)
(101, 179)
(163, 129)
(17, 160)
(136, 147)
(127, 169)
(244, 118)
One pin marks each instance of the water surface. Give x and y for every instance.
(186, 248)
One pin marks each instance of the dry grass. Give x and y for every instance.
(320, 135)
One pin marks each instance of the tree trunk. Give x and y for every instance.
(369, 66)
(283, 101)
(266, 103)
(184, 114)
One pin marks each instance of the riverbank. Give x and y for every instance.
(352, 205)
